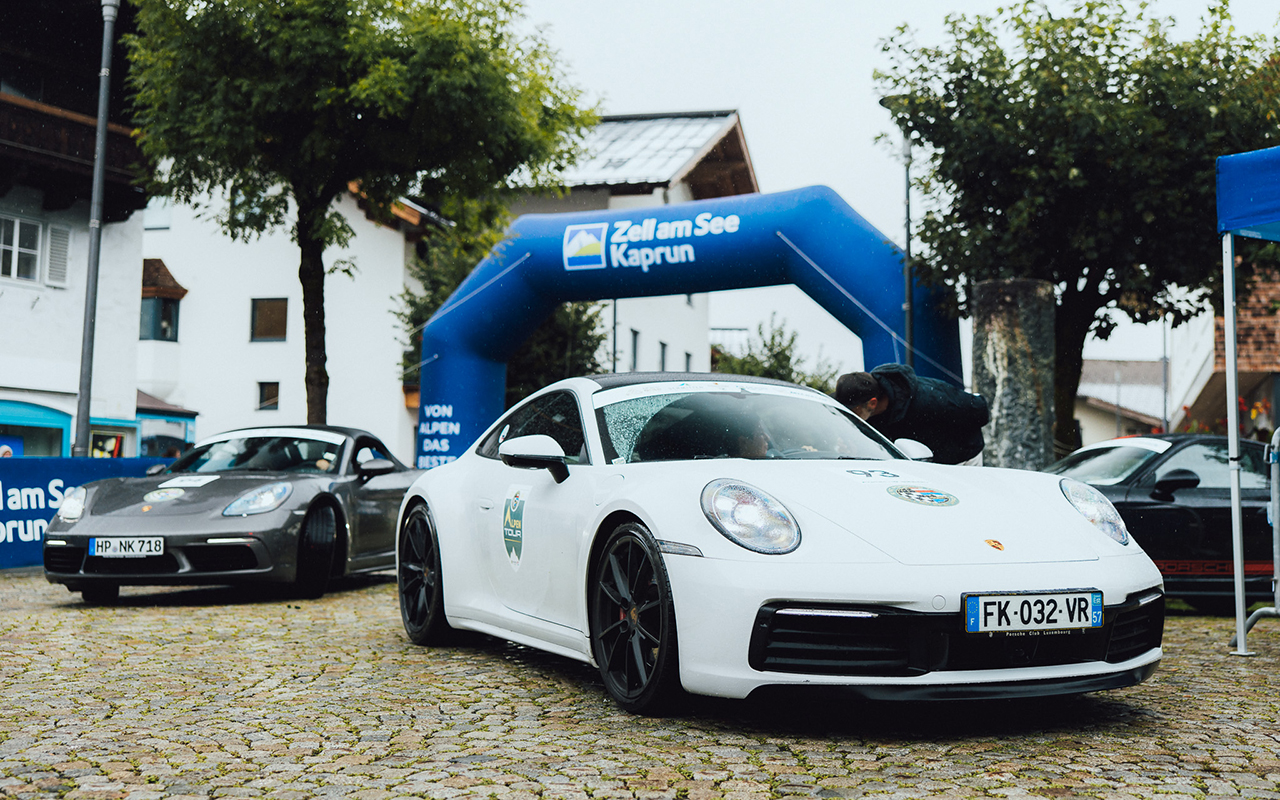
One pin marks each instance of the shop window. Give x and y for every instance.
(106, 444)
(269, 316)
(635, 349)
(662, 356)
(159, 319)
(19, 249)
(268, 396)
(688, 362)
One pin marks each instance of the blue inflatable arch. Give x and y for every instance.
(808, 237)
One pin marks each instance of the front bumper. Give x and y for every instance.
(732, 640)
(242, 550)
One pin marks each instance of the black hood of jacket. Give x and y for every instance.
(946, 418)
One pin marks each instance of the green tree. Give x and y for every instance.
(1082, 155)
(280, 106)
(772, 354)
(564, 345)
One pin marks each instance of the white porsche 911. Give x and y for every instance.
(717, 534)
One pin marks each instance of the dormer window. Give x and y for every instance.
(160, 297)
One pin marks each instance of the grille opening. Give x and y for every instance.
(148, 565)
(63, 559)
(221, 557)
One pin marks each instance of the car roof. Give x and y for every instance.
(276, 430)
(613, 380)
(1175, 438)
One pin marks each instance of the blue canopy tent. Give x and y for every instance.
(1248, 205)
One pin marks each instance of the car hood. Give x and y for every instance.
(931, 514)
(178, 495)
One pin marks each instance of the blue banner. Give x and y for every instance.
(31, 491)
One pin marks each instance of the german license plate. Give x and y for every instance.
(990, 613)
(127, 546)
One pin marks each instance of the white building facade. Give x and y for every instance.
(44, 268)
(238, 356)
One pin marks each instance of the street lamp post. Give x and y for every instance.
(81, 447)
(907, 323)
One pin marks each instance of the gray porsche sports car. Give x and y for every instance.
(295, 505)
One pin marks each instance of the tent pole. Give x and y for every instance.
(1233, 432)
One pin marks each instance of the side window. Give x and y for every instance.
(1255, 472)
(555, 415)
(1210, 462)
(368, 449)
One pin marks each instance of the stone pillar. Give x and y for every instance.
(1013, 358)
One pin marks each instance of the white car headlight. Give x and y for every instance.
(72, 507)
(749, 517)
(260, 500)
(1096, 508)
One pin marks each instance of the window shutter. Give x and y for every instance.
(59, 256)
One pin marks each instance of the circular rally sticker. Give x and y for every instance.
(161, 495)
(923, 495)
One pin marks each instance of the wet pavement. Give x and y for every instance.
(238, 693)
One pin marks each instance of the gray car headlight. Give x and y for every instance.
(260, 500)
(750, 517)
(72, 507)
(1096, 508)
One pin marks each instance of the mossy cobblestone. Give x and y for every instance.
(234, 693)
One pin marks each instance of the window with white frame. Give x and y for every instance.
(19, 249)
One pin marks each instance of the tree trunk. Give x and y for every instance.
(1013, 368)
(1071, 326)
(311, 275)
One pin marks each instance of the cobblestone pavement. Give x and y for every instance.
(235, 693)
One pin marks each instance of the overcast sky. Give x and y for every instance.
(800, 75)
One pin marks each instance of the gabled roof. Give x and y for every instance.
(1139, 394)
(642, 152)
(151, 403)
(157, 281)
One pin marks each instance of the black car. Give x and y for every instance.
(295, 505)
(1174, 493)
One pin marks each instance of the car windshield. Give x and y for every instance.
(260, 454)
(1103, 466)
(733, 424)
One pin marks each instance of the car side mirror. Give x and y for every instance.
(156, 469)
(535, 452)
(1172, 481)
(916, 451)
(375, 466)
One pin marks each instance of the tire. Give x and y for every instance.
(420, 580)
(315, 552)
(633, 623)
(100, 594)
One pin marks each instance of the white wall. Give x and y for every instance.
(215, 369)
(1190, 363)
(41, 326)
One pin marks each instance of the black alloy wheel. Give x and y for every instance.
(315, 552)
(419, 579)
(633, 623)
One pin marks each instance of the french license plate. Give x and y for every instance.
(988, 613)
(127, 547)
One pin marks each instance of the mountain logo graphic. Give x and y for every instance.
(584, 246)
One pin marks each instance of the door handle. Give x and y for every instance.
(485, 504)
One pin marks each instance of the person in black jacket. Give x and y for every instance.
(902, 405)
